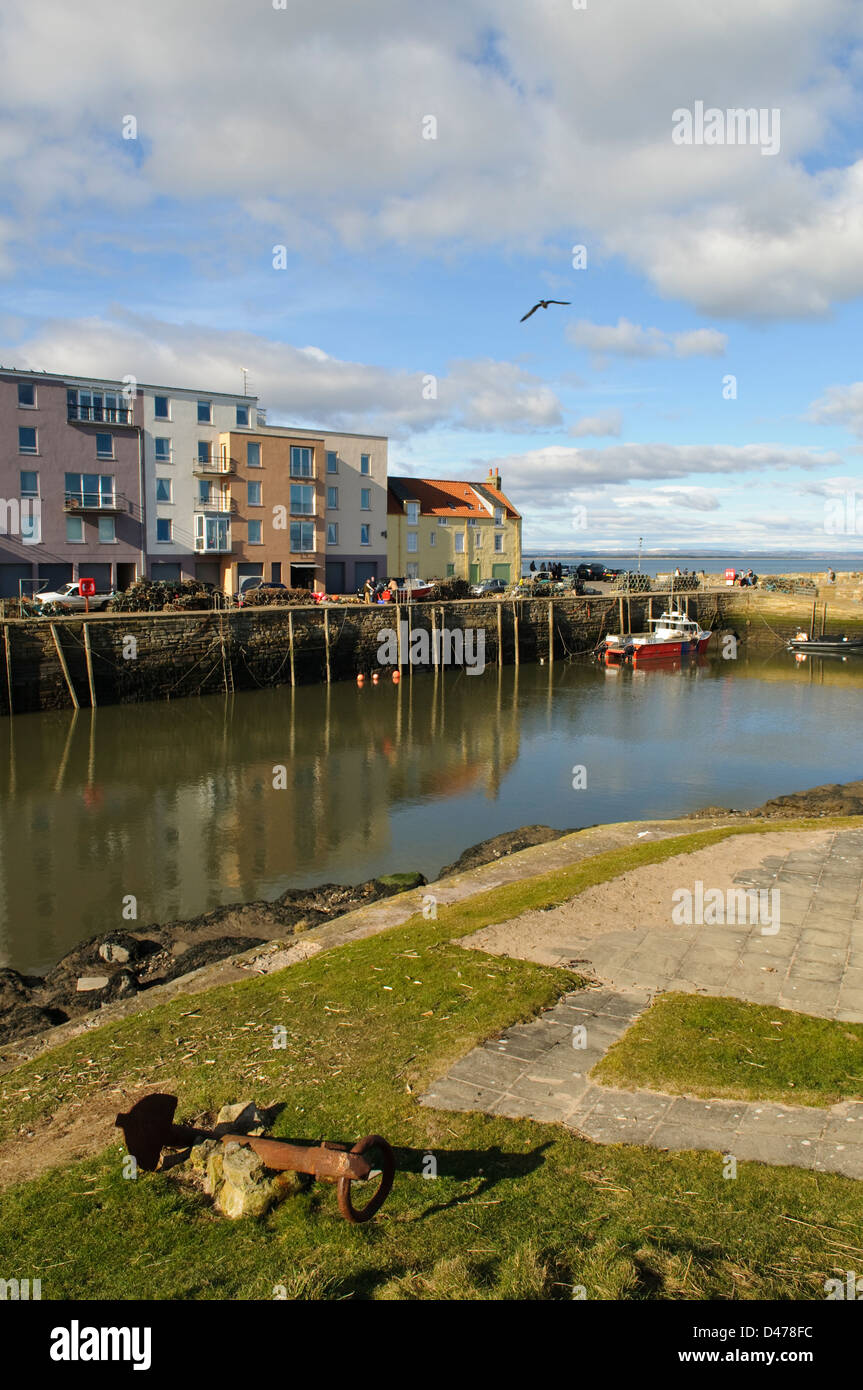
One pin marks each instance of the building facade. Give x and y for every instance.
(117, 480)
(440, 529)
(273, 478)
(71, 483)
(189, 532)
(355, 508)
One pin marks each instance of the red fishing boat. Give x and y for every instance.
(673, 634)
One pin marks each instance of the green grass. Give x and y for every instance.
(518, 1210)
(690, 1044)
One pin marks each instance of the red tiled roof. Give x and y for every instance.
(445, 497)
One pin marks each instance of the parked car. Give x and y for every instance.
(488, 586)
(250, 584)
(70, 597)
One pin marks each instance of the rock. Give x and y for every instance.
(122, 985)
(26, 1019)
(388, 884)
(14, 989)
(91, 982)
(510, 842)
(206, 952)
(248, 1189)
(119, 948)
(205, 1162)
(242, 1118)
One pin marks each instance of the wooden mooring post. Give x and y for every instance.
(8, 652)
(89, 656)
(515, 626)
(550, 631)
(64, 668)
(327, 641)
(500, 634)
(291, 645)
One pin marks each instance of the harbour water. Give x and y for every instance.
(175, 804)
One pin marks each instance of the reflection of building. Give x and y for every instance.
(438, 529)
(176, 803)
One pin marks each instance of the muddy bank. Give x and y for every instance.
(120, 964)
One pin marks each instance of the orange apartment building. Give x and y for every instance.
(262, 507)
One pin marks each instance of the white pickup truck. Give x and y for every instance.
(69, 596)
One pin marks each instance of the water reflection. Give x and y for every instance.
(176, 804)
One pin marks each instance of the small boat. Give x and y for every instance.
(673, 634)
(837, 643)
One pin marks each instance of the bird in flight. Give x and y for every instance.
(543, 304)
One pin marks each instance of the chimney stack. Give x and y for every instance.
(493, 479)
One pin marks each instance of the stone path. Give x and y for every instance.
(813, 964)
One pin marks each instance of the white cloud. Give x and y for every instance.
(625, 339)
(296, 385)
(310, 121)
(607, 422)
(557, 468)
(840, 405)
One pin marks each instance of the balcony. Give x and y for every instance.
(115, 505)
(99, 414)
(218, 466)
(222, 506)
(221, 546)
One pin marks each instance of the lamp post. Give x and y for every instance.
(640, 542)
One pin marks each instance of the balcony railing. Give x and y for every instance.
(99, 414)
(221, 505)
(218, 463)
(114, 504)
(204, 547)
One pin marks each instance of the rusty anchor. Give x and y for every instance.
(149, 1127)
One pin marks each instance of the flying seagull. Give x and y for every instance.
(543, 304)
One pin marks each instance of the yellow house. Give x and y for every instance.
(440, 529)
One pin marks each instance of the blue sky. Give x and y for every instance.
(408, 257)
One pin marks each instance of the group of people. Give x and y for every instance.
(554, 571)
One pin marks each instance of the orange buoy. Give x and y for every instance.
(396, 677)
(361, 680)
(375, 678)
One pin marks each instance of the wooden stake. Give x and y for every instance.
(8, 647)
(327, 640)
(500, 634)
(515, 626)
(824, 618)
(291, 644)
(550, 631)
(399, 635)
(89, 656)
(620, 608)
(64, 668)
(434, 653)
(812, 623)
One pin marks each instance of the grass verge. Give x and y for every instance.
(689, 1044)
(517, 1210)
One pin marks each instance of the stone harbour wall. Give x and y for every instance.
(167, 656)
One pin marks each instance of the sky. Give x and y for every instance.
(358, 202)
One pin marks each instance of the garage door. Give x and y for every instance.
(167, 570)
(101, 573)
(500, 572)
(54, 576)
(335, 576)
(9, 576)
